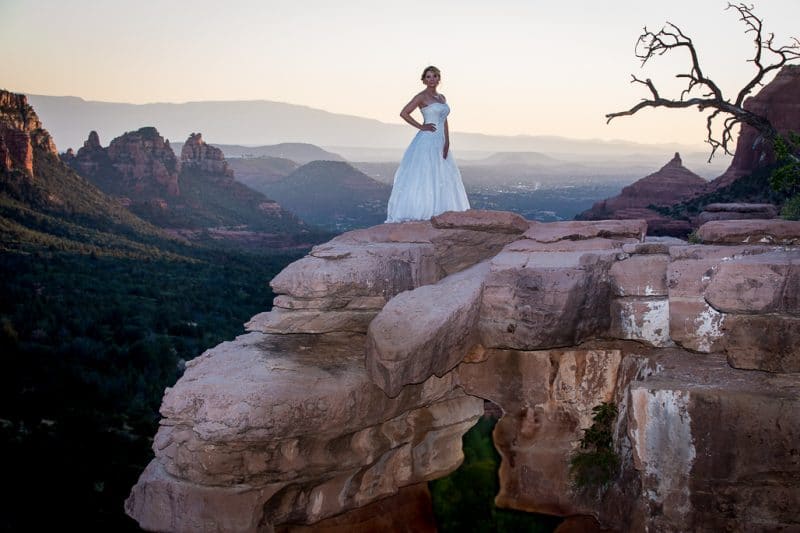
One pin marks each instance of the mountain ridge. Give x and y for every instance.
(247, 122)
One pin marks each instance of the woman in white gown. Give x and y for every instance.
(427, 182)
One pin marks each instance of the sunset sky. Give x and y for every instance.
(509, 66)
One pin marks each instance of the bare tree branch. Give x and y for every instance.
(671, 37)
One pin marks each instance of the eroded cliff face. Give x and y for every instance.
(144, 158)
(779, 101)
(384, 343)
(20, 131)
(196, 153)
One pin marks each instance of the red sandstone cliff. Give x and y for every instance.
(671, 184)
(90, 159)
(196, 153)
(143, 157)
(20, 132)
(779, 101)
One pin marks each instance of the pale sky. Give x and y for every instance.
(509, 66)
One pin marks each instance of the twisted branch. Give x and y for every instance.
(670, 37)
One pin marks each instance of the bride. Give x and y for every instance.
(427, 182)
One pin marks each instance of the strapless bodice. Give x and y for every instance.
(435, 113)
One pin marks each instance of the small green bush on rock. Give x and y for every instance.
(595, 464)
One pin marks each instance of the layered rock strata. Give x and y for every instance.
(385, 342)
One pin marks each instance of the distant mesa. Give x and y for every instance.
(300, 153)
(20, 132)
(671, 184)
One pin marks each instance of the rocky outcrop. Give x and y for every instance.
(750, 232)
(443, 317)
(385, 342)
(91, 158)
(20, 132)
(144, 159)
(716, 448)
(671, 184)
(197, 154)
(736, 211)
(779, 102)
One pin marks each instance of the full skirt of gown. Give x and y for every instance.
(427, 184)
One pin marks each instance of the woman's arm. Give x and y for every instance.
(405, 114)
(446, 139)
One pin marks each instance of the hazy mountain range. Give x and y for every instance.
(259, 122)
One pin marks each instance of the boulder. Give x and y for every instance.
(443, 318)
(486, 221)
(694, 324)
(736, 211)
(348, 271)
(537, 300)
(775, 231)
(627, 230)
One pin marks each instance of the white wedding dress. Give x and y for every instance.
(425, 183)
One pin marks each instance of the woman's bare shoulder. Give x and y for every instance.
(419, 97)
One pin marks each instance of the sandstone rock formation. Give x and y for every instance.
(143, 157)
(671, 184)
(779, 101)
(385, 342)
(196, 153)
(91, 157)
(20, 132)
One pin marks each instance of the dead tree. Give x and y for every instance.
(670, 37)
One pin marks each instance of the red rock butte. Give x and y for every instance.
(672, 184)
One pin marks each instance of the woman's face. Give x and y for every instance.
(431, 79)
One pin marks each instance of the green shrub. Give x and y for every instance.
(791, 209)
(594, 465)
